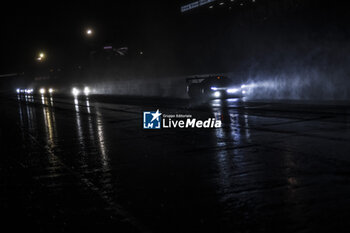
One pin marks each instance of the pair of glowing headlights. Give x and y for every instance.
(230, 90)
(43, 90)
(77, 91)
(217, 92)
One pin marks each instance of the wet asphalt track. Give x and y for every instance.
(86, 165)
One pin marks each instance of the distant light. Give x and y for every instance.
(50, 90)
(28, 91)
(41, 56)
(75, 91)
(217, 94)
(87, 91)
(89, 32)
(213, 88)
(231, 91)
(221, 3)
(211, 7)
(42, 91)
(18, 90)
(243, 92)
(243, 86)
(141, 53)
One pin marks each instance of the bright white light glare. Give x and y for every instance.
(18, 90)
(251, 85)
(243, 92)
(42, 91)
(214, 88)
(231, 91)
(89, 31)
(75, 91)
(217, 94)
(28, 91)
(41, 55)
(50, 90)
(86, 90)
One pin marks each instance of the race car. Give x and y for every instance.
(214, 87)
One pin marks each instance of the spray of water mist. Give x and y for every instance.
(310, 84)
(298, 86)
(167, 87)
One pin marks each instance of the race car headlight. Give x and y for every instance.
(50, 90)
(42, 91)
(213, 88)
(18, 90)
(217, 94)
(86, 90)
(75, 91)
(232, 91)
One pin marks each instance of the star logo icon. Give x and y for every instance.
(152, 120)
(156, 115)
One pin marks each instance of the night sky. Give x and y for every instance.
(58, 29)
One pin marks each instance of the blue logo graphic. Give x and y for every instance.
(151, 120)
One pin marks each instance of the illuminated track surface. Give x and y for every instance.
(86, 165)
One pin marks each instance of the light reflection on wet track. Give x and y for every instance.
(259, 172)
